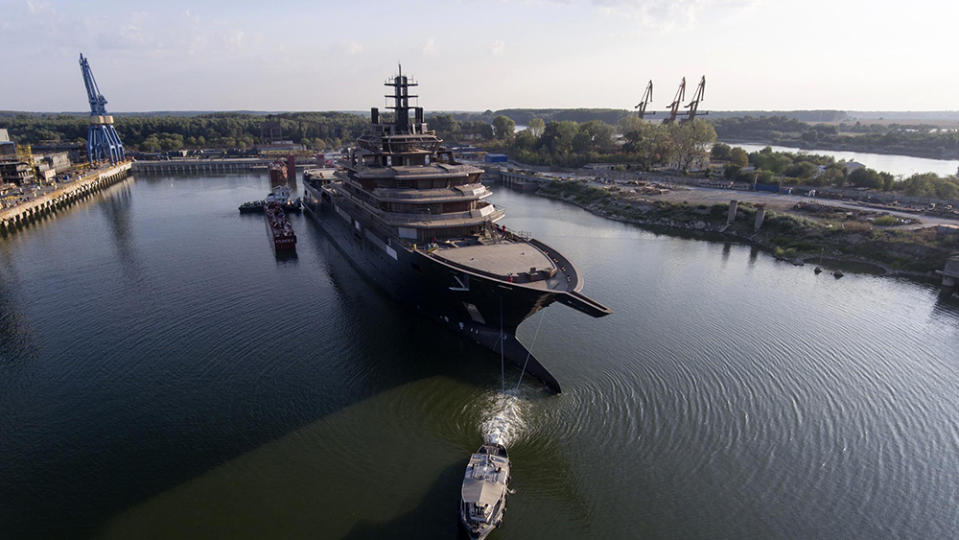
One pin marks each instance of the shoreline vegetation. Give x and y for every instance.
(905, 139)
(926, 135)
(690, 147)
(802, 232)
(832, 233)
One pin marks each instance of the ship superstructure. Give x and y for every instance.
(420, 225)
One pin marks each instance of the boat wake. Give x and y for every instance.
(504, 423)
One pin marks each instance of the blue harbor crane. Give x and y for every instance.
(103, 143)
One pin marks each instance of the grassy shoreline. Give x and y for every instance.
(915, 253)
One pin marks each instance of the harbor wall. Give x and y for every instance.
(11, 219)
(226, 165)
(512, 179)
(198, 165)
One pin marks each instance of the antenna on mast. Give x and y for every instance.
(401, 103)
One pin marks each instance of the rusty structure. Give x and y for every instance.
(674, 108)
(693, 105)
(645, 101)
(677, 101)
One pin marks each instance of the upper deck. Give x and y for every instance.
(511, 261)
(414, 172)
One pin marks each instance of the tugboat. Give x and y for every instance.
(280, 195)
(252, 207)
(417, 223)
(483, 495)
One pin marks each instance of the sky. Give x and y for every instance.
(478, 55)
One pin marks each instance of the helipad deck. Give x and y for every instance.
(501, 259)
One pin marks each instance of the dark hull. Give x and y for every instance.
(471, 305)
(289, 208)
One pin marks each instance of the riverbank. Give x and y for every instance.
(799, 145)
(798, 234)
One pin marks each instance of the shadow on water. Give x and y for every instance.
(66, 482)
(116, 206)
(16, 337)
(947, 303)
(727, 249)
(434, 517)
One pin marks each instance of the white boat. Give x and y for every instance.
(483, 496)
(280, 195)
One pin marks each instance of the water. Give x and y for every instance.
(896, 165)
(163, 376)
(504, 420)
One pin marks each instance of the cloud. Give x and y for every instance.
(235, 38)
(39, 7)
(497, 48)
(128, 34)
(430, 48)
(668, 13)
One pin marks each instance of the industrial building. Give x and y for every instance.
(16, 172)
(22, 166)
(49, 165)
(76, 151)
(8, 150)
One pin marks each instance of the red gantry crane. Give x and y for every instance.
(694, 103)
(677, 101)
(646, 100)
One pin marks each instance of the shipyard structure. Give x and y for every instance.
(39, 180)
(419, 224)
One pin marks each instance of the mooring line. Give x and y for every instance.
(529, 353)
(502, 340)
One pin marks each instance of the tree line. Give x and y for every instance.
(910, 140)
(767, 167)
(633, 141)
(153, 133)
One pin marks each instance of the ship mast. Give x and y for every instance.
(401, 105)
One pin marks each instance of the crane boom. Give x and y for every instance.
(677, 101)
(103, 143)
(646, 100)
(693, 105)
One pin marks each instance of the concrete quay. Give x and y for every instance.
(15, 217)
(199, 165)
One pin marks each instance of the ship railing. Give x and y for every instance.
(398, 193)
(395, 217)
(561, 262)
(379, 227)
